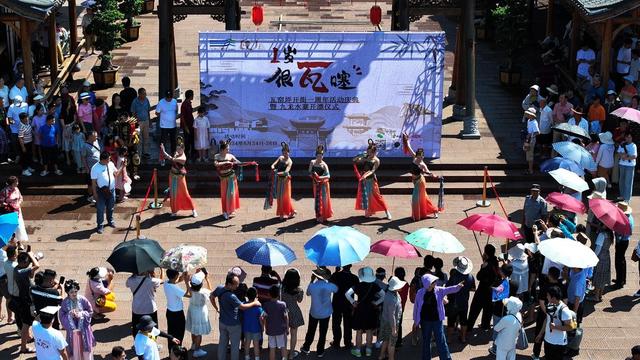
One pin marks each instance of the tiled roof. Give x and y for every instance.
(37, 10)
(598, 10)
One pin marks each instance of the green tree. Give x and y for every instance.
(107, 27)
(510, 19)
(131, 9)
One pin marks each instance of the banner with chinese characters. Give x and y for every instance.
(334, 89)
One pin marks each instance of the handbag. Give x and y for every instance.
(522, 342)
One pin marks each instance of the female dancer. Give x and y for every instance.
(369, 198)
(229, 194)
(75, 317)
(319, 171)
(280, 189)
(421, 205)
(178, 192)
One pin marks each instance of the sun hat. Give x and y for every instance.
(395, 284)
(239, 272)
(18, 99)
(612, 92)
(600, 191)
(366, 275)
(197, 278)
(463, 265)
(535, 87)
(531, 111)
(553, 89)
(38, 97)
(535, 187)
(532, 247)
(102, 272)
(577, 110)
(606, 137)
(517, 252)
(512, 304)
(146, 323)
(624, 206)
(321, 273)
(84, 95)
(50, 310)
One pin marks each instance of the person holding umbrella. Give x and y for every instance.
(320, 290)
(145, 344)
(421, 205)
(604, 157)
(628, 153)
(481, 302)
(143, 288)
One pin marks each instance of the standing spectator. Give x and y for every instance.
(551, 280)
(11, 199)
(85, 113)
(292, 294)
(576, 291)
(4, 93)
(268, 277)
(127, 94)
(391, 318)
(628, 91)
(186, 123)
(459, 302)
(229, 322)
(13, 117)
(578, 119)
(175, 313)
(144, 343)
(365, 297)
(77, 145)
(100, 286)
(25, 138)
(622, 243)
(486, 276)
(143, 292)
(320, 290)
(38, 120)
(100, 111)
(19, 89)
(508, 329)
(595, 90)
(49, 146)
(342, 309)
(47, 293)
(604, 158)
(602, 271)
(140, 108)
(634, 68)
(87, 31)
(596, 116)
(50, 343)
(21, 302)
(623, 60)
(532, 99)
(546, 121)
(628, 153)
(8, 264)
(557, 322)
(401, 273)
(116, 111)
(561, 113)
(520, 266)
(275, 320)
(75, 316)
(530, 141)
(534, 208)
(86, 88)
(429, 314)
(4, 286)
(585, 57)
(167, 110)
(201, 128)
(198, 315)
(251, 326)
(103, 185)
(90, 156)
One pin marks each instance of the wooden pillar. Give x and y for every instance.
(164, 52)
(231, 15)
(575, 33)
(73, 26)
(551, 17)
(605, 61)
(53, 49)
(173, 67)
(25, 43)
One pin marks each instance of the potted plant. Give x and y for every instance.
(107, 27)
(148, 6)
(510, 20)
(130, 9)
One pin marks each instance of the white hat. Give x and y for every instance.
(18, 99)
(531, 111)
(532, 247)
(517, 252)
(513, 305)
(86, 83)
(239, 272)
(463, 265)
(102, 272)
(38, 97)
(606, 137)
(611, 92)
(395, 284)
(600, 191)
(50, 310)
(197, 278)
(535, 87)
(84, 95)
(366, 275)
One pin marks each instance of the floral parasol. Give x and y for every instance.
(184, 258)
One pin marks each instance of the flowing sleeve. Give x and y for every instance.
(65, 317)
(98, 288)
(87, 309)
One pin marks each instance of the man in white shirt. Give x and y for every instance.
(546, 122)
(623, 60)
(558, 321)
(167, 110)
(578, 120)
(103, 185)
(175, 308)
(628, 153)
(532, 132)
(19, 90)
(585, 57)
(50, 343)
(18, 107)
(634, 68)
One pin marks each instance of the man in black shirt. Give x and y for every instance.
(47, 293)
(553, 279)
(21, 304)
(342, 309)
(127, 94)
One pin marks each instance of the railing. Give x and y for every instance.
(67, 68)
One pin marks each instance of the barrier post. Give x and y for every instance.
(155, 204)
(137, 226)
(484, 202)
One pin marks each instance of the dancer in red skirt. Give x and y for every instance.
(229, 194)
(421, 205)
(280, 187)
(178, 192)
(369, 198)
(319, 172)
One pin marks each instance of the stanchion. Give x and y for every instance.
(138, 226)
(484, 202)
(155, 204)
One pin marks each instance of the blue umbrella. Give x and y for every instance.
(561, 163)
(575, 152)
(8, 226)
(337, 246)
(262, 251)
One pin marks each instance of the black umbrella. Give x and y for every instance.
(572, 130)
(136, 256)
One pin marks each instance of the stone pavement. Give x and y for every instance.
(62, 229)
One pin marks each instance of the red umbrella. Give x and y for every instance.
(611, 216)
(395, 248)
(493, 225)
(566, 202)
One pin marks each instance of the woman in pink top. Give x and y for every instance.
(11, 200)
(100, 284)
(85, 113)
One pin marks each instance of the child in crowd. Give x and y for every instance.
(201, 126)
(275, 320)
(179, 353)
(77, 144)
(123, 181)
(438, 264)
(251, 326)
(198, 315)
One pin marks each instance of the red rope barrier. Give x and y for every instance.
(146, 196)
(497, 195)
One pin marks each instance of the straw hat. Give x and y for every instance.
(396, 284)
(531, 111)
(366, 275)
(553, 89)
(463, 265)
(606, 137)
(624, 206)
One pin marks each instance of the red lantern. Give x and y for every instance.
(375, 15)
(257, 15)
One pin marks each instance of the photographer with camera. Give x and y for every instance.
(21, 302)
(559, 320)
(47, 293)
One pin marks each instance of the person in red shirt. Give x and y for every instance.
(186, 123)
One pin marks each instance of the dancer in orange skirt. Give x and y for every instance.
(421, 205)
(280, 187)
(178, 192)
(229, 194)
(319, 172)
(369, 198)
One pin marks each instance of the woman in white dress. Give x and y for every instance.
(198, 315)
(201, 125)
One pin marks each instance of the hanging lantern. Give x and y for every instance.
(257, 15)
(375, 15)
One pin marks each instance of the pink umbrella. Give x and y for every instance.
(492, 225)
(611, 216)
(566, 202)
(395, 248)
(627, 113)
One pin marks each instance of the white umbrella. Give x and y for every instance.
(435, 240)
(88, 4)
(568, 252)
(569, 179)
